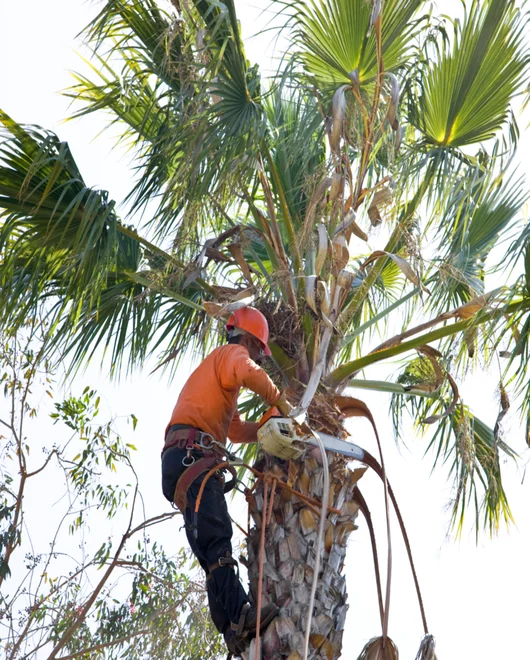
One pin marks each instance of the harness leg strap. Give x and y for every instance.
(228, 560)
(189, 476)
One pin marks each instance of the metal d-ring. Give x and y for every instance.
(185, 460)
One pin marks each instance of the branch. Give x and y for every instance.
(67, 635)
(32, 474)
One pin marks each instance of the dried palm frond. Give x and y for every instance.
(379, 649)
(426, 651)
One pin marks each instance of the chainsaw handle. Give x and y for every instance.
(273, 411)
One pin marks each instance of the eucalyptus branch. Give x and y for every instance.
(35, 607)
(124, 638)
(67, 635)
(43, 466)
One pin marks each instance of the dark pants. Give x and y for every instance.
(213, 537)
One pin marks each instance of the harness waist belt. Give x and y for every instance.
(183, 438)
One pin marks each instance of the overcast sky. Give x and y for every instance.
(475, 597)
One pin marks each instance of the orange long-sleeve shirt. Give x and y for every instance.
(208, 400)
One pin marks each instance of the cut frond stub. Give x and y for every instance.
(426, 651)
(380, 649)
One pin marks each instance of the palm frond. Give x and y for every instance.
(465, 444)
(190, 99)
(296, 139)
(336, 41)
(479, 213)
(54, 227)
(62, 242)
(466, 92)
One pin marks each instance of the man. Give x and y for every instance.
(207, 409)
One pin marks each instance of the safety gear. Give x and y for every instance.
(284, 405)
(203, 453)
(209, 537)
(236, 635)
(236, 645)
(252, 321)
(249, 617)
(208, 400)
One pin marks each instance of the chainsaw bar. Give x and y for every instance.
(331, 443)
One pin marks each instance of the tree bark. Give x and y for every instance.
(289, 555)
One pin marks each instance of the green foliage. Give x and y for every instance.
(337, 42)
(466, 90)
(108, 591)
(364, 191)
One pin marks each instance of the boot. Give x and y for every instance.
(234, 643)
(268, 613)
(236, 636)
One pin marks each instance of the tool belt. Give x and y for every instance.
(183, 437)
(193, 439)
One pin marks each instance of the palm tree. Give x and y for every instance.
(386, 125)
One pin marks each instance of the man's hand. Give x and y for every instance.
(284, 405)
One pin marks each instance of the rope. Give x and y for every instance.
(209, 474)
(318, 552)
(265, 517)
(324, 507)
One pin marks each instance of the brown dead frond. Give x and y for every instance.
(379, 649)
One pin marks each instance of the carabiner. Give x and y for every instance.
(201, 444)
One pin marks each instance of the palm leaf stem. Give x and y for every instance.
(278, 241)
(375, 319)
(163, 290)
(147, 244)
(338, 375)
(385, 386)
(277, 184)
(393, 242)
(369, 138)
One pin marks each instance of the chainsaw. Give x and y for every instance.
(284, 438)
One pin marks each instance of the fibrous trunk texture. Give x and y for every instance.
(289, 555)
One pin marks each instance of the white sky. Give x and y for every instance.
(475, 597)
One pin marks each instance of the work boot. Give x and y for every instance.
(235, 643)
(237, 634)
(268, 613)
(248, 619)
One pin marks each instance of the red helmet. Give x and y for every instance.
(252, 321)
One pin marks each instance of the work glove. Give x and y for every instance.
(284, 405)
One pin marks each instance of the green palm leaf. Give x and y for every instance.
(466, 93)
(479, 212)
(296, 139)
(335, 39)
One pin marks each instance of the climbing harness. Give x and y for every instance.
(214, 452)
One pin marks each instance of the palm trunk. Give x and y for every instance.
(289, 555)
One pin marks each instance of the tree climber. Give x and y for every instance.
(206, 410)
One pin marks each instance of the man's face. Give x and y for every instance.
(255, 348)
